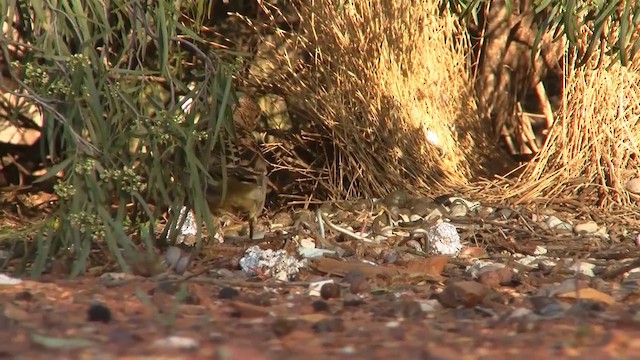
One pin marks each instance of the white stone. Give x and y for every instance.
(633, 186)
(588, 227)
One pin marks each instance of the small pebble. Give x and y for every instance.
(176, 342)
(228, 293)
(588, 227)
(633, 186)
(330, 291)
(320, 306)
(281, 219)
(458, 210)
(282, 327)
(172, 255)
(388, 256)
(415, 245)
(24, 296)
(328, 325)
(183, 264)
(357, 281)
(396, 198)
(410, 309)
(99, 313)
(352, 300)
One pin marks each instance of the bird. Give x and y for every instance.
(246, 185)
(244, 167)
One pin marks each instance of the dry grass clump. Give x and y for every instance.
(386, 81)
(592, 150)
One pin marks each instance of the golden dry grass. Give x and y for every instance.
(592, 150)
(387, 81)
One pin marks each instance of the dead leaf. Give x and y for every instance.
(588, 294)
(428, 266)
(465, 293)
(341, 268)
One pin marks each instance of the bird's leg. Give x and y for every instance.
(252, 228)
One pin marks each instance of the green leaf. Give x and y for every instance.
(163, 36)
(623, 36)
(570, 22)
(612, 5)
(595, 40)
(542, 6)
(55, 169)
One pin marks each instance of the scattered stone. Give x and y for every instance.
(330, 291)
(320, 306)
(283, 327)
(480, 267)
(540, 250)
(58, 343)
(333, 324)
(414, 244)
(588, 227)
(168, 287)
(444, 239)
(176, 342)
(496, 278)
(24, 296)
(463, 293)
(436, 213)
(270, 263)
(361, 205)
(99, 313)
(430, 305)
(182, 264)
(397, 198)
(312, 253)
(520, 312)
(352, 300)
(388, 256)
(348, 350)
(633, 186)
(553, 223)
(357, 281)
(281, 220)
(458, 210)
(186, 234)
(122, 337)
(448, 200)
(537, 261)
(485, 211)
(547, 307)
(568, 285)
(227, 293)
(410, 310)
(8, 280)
(583, 267)
(172, 255)
(262, 299)
(111, 279)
